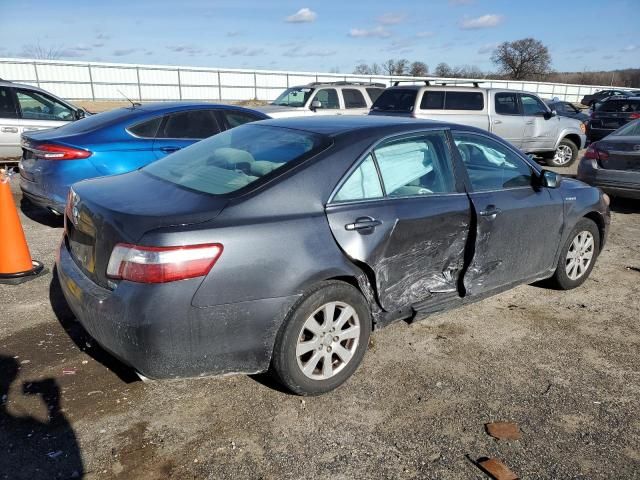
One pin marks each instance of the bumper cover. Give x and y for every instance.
(156, 330)
(620, 183)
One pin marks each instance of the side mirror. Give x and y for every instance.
(550, 179)
(316, 104)
(80, 113)
(550, 114)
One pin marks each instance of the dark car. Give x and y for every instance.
(567, 109)
(116, 141)
(591, 100)
(280, 244)
(613, 163)
(610, 115)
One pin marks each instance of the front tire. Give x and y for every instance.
(566, 153)
(323, 339)
(578, 256)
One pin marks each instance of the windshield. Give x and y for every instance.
(395, 100)
(294, 97)
(236, 158)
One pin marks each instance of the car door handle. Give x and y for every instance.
(530, 122)
(497, 122)
(169, 149)
(9, 130)
(363, 223)
(490, 212)
(33, 129)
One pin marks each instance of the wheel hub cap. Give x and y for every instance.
(580, 255)
(563, 154)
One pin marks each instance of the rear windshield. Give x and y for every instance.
(236, 158)
(622, 105)
(631, 129)
(395, 100)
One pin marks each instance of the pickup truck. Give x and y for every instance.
(521, 118)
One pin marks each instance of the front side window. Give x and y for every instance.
(362, 184)
(7, 105)
(236, 158)
(418, 165)
(328, 98)
(507, 103)
(38, 106)
(491, 165)
(294, 97)
(193, 124)
(353, 98)
(532, 106)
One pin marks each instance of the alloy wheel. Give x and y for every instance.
(328, 340)
(563, 155)
(580, 255)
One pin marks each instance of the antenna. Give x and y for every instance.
(133, 104)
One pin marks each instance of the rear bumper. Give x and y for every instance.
(594, 134)
(618, 183)
(156, 330)
(39, 200)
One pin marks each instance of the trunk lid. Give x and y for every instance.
(122, 208)
(615, 113)
(621, 153)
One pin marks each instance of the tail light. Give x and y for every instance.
(593, 153)
(634, 115)
(145, 264)
(49, 151)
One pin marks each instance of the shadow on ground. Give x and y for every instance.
(624, 205)
(41, 215)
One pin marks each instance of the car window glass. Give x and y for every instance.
(414, 166)
(464, 101)
(190, 124)
(532, 106)
(432, 100)
(395, 100)
(507, 103)
(238, 118)
(146, 129)
(38, 106)
(491, 165)
(623, 106)
(568, 108)
(328, 97)
(362, 184)
(294, 97)
(374, 93)
(353, 98)
(630, 129)
(7, 105)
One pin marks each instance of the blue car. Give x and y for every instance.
(114, 142)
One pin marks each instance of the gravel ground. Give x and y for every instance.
(562, 365)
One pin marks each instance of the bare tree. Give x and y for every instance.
(443, 70)
(418, 69)
(402, 67)
(362, 69)
(39, 52)
(523, 59)
(389, 67)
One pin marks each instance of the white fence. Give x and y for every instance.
(110, 81)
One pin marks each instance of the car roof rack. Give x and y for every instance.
(345, 82)
(397, 82)
(444, 83)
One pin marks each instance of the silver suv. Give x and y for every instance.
(521, 118)
(325, 98)
(24, 108)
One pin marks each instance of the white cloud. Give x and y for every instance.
(245, 51)
(379, 32)
(425, 34)
(391, 18)
(304, 15)
(631, 48)
(187, 49)
(124, 51)
(300, 52)
(485, 21)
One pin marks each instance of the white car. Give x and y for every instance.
(24, 108)
(322, 98)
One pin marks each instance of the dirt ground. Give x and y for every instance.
(563, 365)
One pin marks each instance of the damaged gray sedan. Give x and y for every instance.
(279, 245)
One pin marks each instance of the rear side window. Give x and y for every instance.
(328, 97)
(374, 93)
(507, 103)
(236, 158)
(395, 100)
(432, 101)
(7, 105)
(234, 118)
(450, 100)
(416, 166)
(353, 98)
(146, 129)
(362, 184)
(193, 124)
(622, 106)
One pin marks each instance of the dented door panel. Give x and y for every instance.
(416, 253)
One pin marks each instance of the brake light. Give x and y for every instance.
(634, 115)
(60, 152)
(593, 153)
(144, 264)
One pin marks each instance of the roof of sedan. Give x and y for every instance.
(338, 124)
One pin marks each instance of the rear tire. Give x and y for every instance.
(578, 256)
(323, 339)
(566, 153)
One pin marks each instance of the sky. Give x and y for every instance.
(321, 36)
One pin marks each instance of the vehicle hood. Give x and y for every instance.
(276, 111)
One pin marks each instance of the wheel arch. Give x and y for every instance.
(598, 219)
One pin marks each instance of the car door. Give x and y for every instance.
(184, 128)
(39, 111)
(518, 224)
(403, 218)
(507, 120)
(9, 129)
(354, 102)
(329, 102)
(539, 126)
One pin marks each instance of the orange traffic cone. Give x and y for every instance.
(16, 265)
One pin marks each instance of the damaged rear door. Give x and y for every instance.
(403, 217)
(518, 223)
